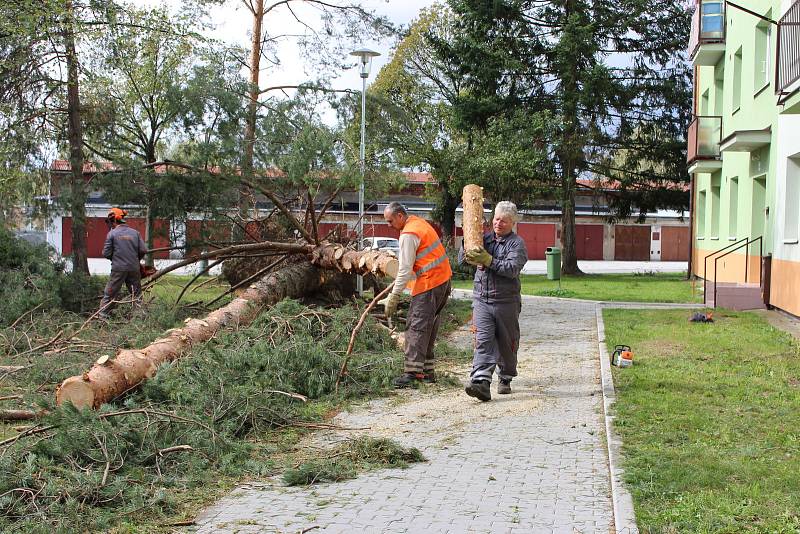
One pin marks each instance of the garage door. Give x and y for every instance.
(674, 243)
(632, 243)
(589, 241)
(96, 231)
(537, 238)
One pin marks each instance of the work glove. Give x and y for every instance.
(479, 256)
(390, 304)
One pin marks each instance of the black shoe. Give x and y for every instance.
(429, 377)
(480, 390)
(504, 387)
(407, 380)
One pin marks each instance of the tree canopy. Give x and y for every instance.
(607, 74)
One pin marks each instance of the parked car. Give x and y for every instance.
(384, 244)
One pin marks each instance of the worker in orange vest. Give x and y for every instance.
(425, 269)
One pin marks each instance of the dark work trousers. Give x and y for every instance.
(496, 339)
(424, 316)
(131, 279)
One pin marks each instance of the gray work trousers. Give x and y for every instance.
(131, 279)
(422, 325)
(496, 329)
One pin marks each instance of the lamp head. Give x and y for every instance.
(365, 56)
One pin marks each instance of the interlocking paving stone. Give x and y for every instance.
(534, 461)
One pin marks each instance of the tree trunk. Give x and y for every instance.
(77, 201)
(571, 149)
(449, 205)
(110, 378)
(569, 253)
(472, 221)
(252, 108)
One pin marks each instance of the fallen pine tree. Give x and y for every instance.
(112, 377)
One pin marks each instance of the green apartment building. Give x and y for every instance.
(744, 152)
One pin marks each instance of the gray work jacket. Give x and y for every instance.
(500, 281)
(124, 247)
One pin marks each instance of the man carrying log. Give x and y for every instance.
(124, 246)
(496, 303)
(425, 269)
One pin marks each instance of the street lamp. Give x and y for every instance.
(365, 55)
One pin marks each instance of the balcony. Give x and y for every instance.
(705, 136)
(787, 72)
(707, 39)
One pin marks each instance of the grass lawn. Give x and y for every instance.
(709, 416)
(656, 287)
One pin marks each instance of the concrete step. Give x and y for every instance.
(737, 296)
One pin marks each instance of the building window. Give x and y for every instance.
(719, 81)
(715, 215)
(733, 207)
(761, 56)
(701, 214)
(791, 201)
(736, 94)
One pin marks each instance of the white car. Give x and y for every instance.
(384, 244)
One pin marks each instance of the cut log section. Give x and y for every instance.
(110, 378)
(472, 222)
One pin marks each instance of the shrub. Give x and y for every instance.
(30, 278)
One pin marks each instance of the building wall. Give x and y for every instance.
(738, 201)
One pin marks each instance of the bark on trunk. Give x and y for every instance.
(19, 415)
(110, 378)
(472, 223)
(77, 201)
(257, 10)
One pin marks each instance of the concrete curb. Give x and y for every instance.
(622, 502)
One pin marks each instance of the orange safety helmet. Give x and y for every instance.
(117, 214)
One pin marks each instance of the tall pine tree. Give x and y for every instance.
(611, 76)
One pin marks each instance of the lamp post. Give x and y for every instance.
(365, 55)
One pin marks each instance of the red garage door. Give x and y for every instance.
(96, 231)
(380, 230)
(537, 238)
(674, 243)
(589, 241)
(632, 243)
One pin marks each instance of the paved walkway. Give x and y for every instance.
(534, 461)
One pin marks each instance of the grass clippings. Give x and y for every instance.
(351, 457)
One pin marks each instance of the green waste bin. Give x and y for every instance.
(553, 256)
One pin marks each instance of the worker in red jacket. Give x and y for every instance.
(124, 246)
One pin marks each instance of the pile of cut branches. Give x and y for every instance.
(198, 421)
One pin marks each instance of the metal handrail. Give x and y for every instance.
(746, 262)
(705, 260)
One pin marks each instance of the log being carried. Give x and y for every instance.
(472, 223)
(111, 377)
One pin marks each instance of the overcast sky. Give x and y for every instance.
(233, 24)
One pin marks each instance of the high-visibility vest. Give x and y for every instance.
(431, 266)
